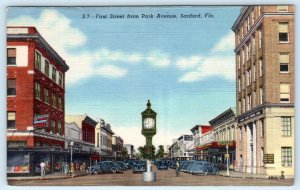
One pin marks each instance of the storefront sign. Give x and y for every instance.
(269, 158)
(41, 121)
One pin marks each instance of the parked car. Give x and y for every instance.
(122, 165)
(203, 167)
(172, 164)
(109, 167)
(95, 169)
(139, 166)
(129, 163)
(185, 165)
(162, 164)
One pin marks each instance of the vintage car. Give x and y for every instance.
(95, 169)
(162, 165)
(122, 165)
(109, 167)
(204, 168)
(139, 166)
(185, 165)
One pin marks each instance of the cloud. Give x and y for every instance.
(214, 66)
(106, 55)
(111, 71)
(225, 44)
(159, 59)
(184, 63)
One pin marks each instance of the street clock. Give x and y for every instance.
(148, 124)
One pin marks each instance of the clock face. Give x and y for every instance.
(149, 123)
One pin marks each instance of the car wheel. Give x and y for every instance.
(113, 170)
(206, 172)
(96, 172)
(217, 172)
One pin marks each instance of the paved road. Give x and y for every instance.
(164, 178)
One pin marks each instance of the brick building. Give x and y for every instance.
(264, 47)
(35, 102)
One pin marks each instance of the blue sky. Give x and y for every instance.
(184, 66)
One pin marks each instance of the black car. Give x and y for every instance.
(162, 165)
(95, 169)
(122, 165)
(139, 166)
(109, 167)
(172, 164)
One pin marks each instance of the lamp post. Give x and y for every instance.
(71, 145)
(227, 159)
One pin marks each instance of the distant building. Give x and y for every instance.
(35, 103)
(130, 150)
(264, 47)
(103, 141)
(117, 147)
(202, 137)
(186, 146)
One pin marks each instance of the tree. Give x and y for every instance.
(160, 152)
(147, 152)
(125, 153)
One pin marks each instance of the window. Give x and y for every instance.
(11, 56)
(249, 102)
(262, 132)
(262, 156)
(259, 10)
(254, 72)
(59, 128)
(60, 79)
(260, 67)
(97, 139)
(284, 60)
(52, 126)
(46, 95)
(286, 126)
(53, 99)
(47, 67)
(244, 104)
(254, 103)
(242, 57)
(284, 93)
(59, 103)
(53, 74)
(37, 89)
(283, 29)
(11, 87)
(253, 17)
(241, 134)
(248, 23)
(240, 107)
(259, 38)
(11, 120)
(249, 79)
(286, 156)
(260, 95)
(239, 61)
(253, 45)
(37, 61)
(248, 51)
(239, 85)
(282, 8)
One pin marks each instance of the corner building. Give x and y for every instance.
(264, 47)
(35, 103)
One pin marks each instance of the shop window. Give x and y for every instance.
(11, 87)
(17, 162)
(11, 56)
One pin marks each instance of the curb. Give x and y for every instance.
(45, 178)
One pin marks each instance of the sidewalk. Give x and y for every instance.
(56, 175)
(235, 174)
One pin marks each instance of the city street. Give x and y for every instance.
(164, 178)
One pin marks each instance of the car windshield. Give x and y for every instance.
(140, 162)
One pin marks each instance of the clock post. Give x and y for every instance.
(149, 130)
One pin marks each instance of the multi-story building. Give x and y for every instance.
(83, 147)
(35, 102)
(224, 138)
(202, 135)
(130, 150)
(264, 47)
(103, 141)
(117, 147)
(186, 146)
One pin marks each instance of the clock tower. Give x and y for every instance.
(149, 124)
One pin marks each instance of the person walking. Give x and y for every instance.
(66, 169)
(43, 168)
(177, 168)
(72, 169)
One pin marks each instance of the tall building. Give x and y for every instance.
(35, 102)
(117, 147)
(264, 47)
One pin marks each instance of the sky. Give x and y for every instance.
(185, 66)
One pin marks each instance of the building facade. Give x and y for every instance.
(202, 136)
(35, 103)
(264, 47)
(103, 141)
(117, 147)
(130, 150)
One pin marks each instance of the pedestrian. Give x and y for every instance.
(66, 169)
(177, 168)
(43, 167)
(72, 169)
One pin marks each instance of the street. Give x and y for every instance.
(164, 178)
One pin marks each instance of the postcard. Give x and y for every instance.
(150, 96)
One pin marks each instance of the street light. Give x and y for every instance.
(227, 159)
(71, 145)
